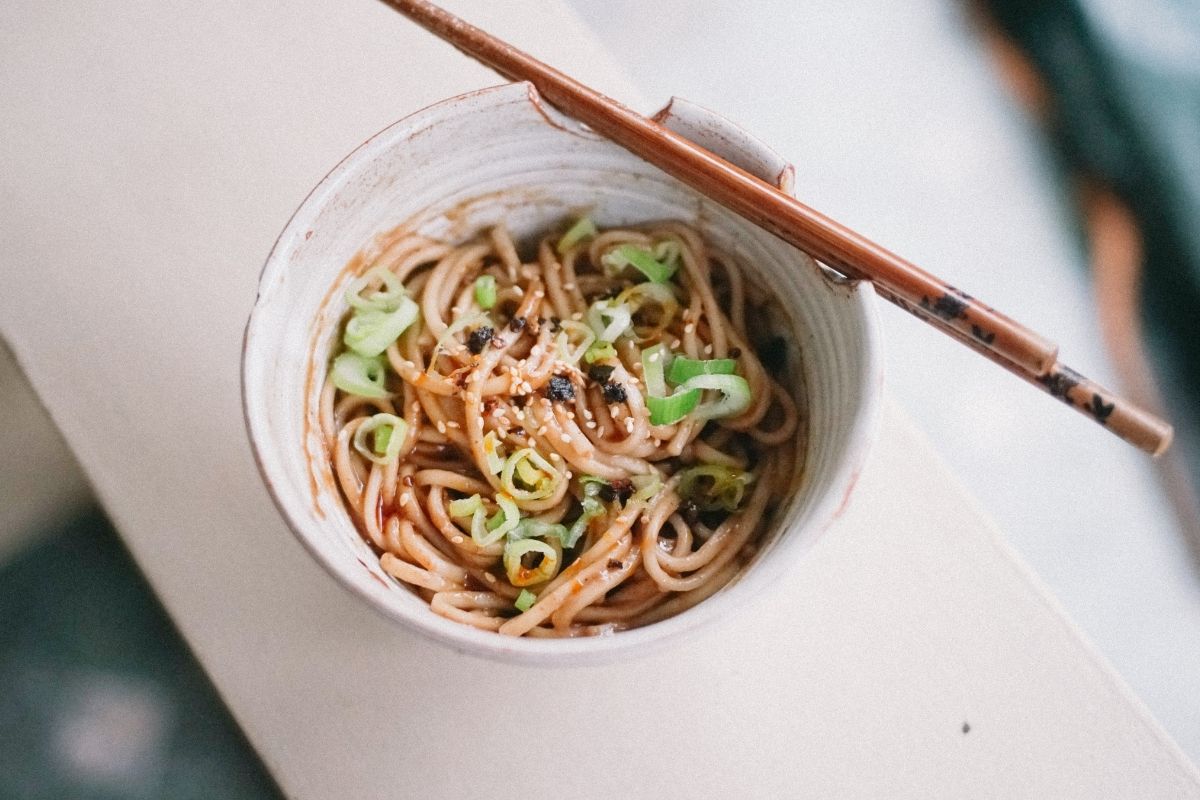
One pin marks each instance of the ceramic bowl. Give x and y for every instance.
(455, 168)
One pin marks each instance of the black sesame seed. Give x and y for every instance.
(479, 339)
(600, 373)
(560, 388)
(517, 323)
(614, 392)
(606, 493)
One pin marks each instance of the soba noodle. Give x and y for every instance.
(585, 441)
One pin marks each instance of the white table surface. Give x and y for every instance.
(152, 151)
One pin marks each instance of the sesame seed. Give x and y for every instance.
(675, 344)
(489, 577)
(589, 424)
(453, 424)
(441, 426)
(457, 539)
(570, 287)
(542, 431)
(689, 328)
(566, 438)
(577, 316)
(708, 349)
(602, 431)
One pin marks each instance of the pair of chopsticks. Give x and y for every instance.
(1001, 339)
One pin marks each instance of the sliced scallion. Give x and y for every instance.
(485, 291)
(544, 561)
(609, 320)
(669, 410)
(389, 425)
(646, 486)
(385, 298)
(525, 600)
(642, 260)
(711, 487)
(485, 532)
(600, 351)
(574, 341)
(369, 333)
(735, 395)
(538, 474)
(358, 375)
(492, 453)
(583, 228)
(654, 367)
(683, 368)
(642, 297)
(465, 507)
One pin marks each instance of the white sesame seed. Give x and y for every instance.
(708, 349)
(453, 424)
(577, 316)
(675, 344)
(441, 426)
(457, 539)
(570, 287)
(689, 328)
(489, 577)
(602, 431)
(566, 438)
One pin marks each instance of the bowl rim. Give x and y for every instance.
(826, 509)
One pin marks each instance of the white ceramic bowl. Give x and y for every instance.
(500, 154)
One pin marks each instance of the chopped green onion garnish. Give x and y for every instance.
(646, 485)
(592, 508)
(486, 532)
(543, 564)
(655, 296)
(669, 410)
(654, 366)
(531, 528)
(600, 351)
(391, 428)
(385, 299)
(712, 487)
(609, 320)
(683, 369)
(535, 472)
(735, 395)
(525, 600)
(485, 291)
(642, 260)
(583, 228)
(492, 453)
(355, 374)
(574, 341)
(669, 252)
(369, 333)
(383, 435)
(465, 507)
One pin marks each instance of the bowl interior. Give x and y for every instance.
(499, 156)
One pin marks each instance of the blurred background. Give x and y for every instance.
(1046, 156)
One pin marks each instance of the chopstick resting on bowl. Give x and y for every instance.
(1003, 340)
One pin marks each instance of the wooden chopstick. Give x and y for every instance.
(1128, 421)
(950, 310)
